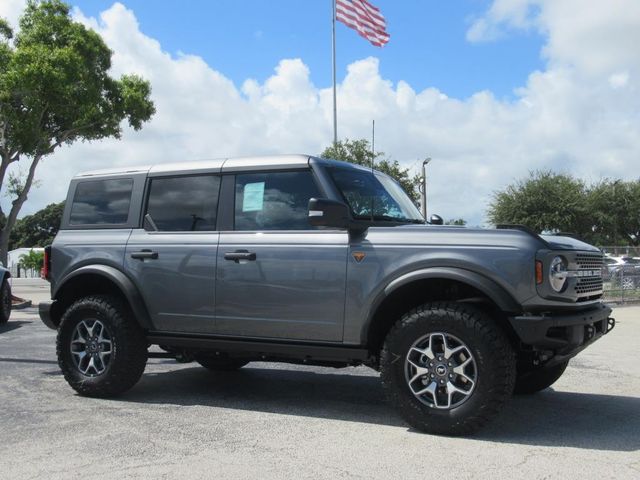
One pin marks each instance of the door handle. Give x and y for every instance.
(240, 255)
(141, 255)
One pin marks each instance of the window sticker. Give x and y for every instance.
(253, 198)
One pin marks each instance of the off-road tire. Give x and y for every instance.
(5, 302)
(494, 356)
(536, 380)
(221, 364)
(129, 346)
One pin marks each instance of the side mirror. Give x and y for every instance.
(328, 213)
(436, 220)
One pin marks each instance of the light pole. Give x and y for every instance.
(424, 187)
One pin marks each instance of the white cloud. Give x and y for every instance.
(11, 10)
(579, 115)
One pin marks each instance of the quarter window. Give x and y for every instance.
(101, 202)
(184, 204)
(274, 200)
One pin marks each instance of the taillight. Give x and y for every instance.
(46, 267)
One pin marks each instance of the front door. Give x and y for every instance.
(174, 264)
(277, 277)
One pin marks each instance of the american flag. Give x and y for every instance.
(365, 18)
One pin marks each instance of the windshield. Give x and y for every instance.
(375, 197)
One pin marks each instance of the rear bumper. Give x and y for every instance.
(45, 310)
(564, 332)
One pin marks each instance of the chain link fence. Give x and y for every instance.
(621, 274)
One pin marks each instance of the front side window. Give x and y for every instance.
(375, 197)
(184, 204)
(101, 202)
(274, 200)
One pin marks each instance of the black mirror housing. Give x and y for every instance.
(436, 220)
(328, 213)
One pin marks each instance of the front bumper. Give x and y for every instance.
(564, 333)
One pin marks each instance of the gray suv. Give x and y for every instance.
(306, 260)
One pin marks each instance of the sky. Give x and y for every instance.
(491, 90)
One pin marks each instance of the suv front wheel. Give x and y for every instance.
(448, 368)
(101, 350)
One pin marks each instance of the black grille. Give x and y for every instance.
(593, 284)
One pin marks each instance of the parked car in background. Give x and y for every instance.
(624, 272)
(5, 296)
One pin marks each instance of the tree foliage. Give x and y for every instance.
(360, 153)
(605, 213)
(32, 260)
(39, 229)
(55, 89)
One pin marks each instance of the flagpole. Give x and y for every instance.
(335, 109)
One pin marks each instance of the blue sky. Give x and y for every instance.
(431, 91)
(428, 46)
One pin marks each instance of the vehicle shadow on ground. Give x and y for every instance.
(12, 325)
(549, 418)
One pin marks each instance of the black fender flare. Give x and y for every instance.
(487, 286)
(121, 281)
(4, 275)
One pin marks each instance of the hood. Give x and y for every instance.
(559, 242)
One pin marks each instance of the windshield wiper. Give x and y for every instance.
(389, 218)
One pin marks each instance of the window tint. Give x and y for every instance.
(274, 201)
(375, 197)
(101, 202)
(182, 204)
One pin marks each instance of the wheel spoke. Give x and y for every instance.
(440, 370)
(91, 347)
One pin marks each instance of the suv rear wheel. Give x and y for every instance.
(101, 350)
(448, 368)
(5, 302)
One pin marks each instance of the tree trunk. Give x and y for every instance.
(16, 205)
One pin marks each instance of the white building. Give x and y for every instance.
(13, 259)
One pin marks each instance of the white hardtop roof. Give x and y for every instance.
(213, 165)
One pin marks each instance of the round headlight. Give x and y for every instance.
(558, 273)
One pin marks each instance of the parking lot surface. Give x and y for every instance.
(283, 421)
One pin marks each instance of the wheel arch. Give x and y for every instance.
(436, 284)
(96, 279)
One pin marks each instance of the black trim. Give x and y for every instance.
(565, 332)
(226, 203)
(121, 281)
(45, 311)
(261, 348)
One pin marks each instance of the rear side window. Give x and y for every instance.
(101, 202)
(184, 204)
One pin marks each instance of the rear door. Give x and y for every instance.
(174, 264)
(278, 277)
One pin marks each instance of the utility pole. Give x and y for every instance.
(424, 187)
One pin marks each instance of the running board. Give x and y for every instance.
(262, 349)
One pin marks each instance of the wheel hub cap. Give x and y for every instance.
(441, 371)
(91, 347)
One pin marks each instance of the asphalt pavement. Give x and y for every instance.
(282, 421)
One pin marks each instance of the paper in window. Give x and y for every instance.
(253, 198)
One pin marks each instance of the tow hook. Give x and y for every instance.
(611, 323)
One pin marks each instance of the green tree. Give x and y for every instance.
(39, 229)
(55, 89)
(32, 260)
(456, 221)
(360, 153)
(544, 202)
(615, 209)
